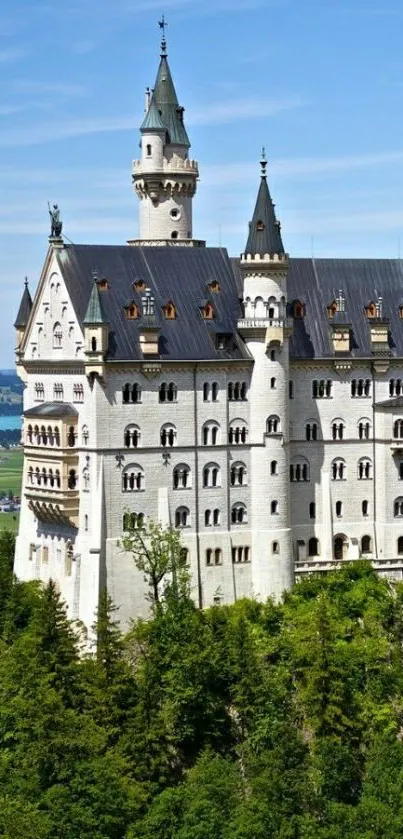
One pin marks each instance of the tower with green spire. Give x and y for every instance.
(164, 177)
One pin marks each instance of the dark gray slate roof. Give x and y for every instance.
(264, 229)
(395, 402)
(181, 274)
(25, 308)
(152, 120)
(316, 282)
(56, 410)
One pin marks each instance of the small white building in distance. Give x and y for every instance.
(256, 403)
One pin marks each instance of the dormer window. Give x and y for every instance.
(103, 284)
(371, 311)
(169, 310)
(132, 311)
(214, 286)
(259, 226)
(332, 309)
(298, 310)
(208, 312)
(139, 286)
(148, 303)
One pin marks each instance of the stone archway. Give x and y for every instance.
(340, 546)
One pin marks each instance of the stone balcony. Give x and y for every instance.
(176, 164)
(273, 330)
(54, 505)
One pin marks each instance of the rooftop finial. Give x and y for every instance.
(162, 25)
(26, 282)
(263, 162)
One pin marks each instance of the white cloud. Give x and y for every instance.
(238, 109)
(30, 86)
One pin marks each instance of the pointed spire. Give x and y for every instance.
(152, 120)
(25, 308)
(264, 229)
(166, 101)
(95, 311)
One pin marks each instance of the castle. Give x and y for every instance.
(254, 403)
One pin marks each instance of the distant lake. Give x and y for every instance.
(7, 423)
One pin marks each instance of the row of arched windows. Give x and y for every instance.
(49, 478)
(237, 434)
(133, 478)
(337, 428)
(299, 469)
(237, 392)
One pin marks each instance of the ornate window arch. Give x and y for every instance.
(339, 469)
(299, 469)
(132, 436)
(239, 513)
(182, 517)
(168, 435)
(364, 428)
(57, 335)
(311, 430)
(273, 425)
(237, 432)
(238, 474)
(338, 428)
(398, 507)
(364, 469)
(211, 433)
(133, 478)
(182, 476)
(211, 475)
(398, 429)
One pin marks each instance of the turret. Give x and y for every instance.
(164, 178)
(96, 332)
(266, 331)
(22, 318)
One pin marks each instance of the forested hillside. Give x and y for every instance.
(243, 722)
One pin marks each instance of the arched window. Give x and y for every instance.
(273, 383)
(339, 509)
(272, 355)
(364, 507)
(71, 436)
(211, 475)
(85, 435)
(167, 392)
(398, 429)
(273, 467)
(214, 391)
(395, 387)
(237, 391)
(364, 472)
(239, 514)
(57, 336)
(400, 545)
(273, 424)
(133, 521)
(207, 518)
(132, 437)
(237, 432)
(364, 429)
(238, 475)
(313, 546)
(206, 391)
(131, 393)
(182, 517)
(398, 507)
(148, 150)
(340, 546)
(299, 470)
(311, 430)
(30, 475)
(338, 469)
(366, 545)
(216, 517)
(338, 429)
(93, 344)
(275, 547)
(133, 478)
(182, 476)
(274, 508)
(211, 433)
(72, 479)
(312, 510)
(168, 435)
(322, 389)
(68, 559)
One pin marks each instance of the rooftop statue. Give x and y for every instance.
(56, 225)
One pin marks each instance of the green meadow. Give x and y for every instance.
(11, 461)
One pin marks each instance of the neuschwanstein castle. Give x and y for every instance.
(256, 403)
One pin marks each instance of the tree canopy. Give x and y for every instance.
(247, 721)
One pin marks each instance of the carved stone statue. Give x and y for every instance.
(56, 225)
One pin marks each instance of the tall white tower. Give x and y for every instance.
(164, 178)
(265, 329)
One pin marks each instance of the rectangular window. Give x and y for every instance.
(291, 389)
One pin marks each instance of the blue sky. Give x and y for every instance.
(318, 82)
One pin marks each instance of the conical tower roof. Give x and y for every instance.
(264, 229)
(95, 312)
(166, 101)
(152, 120)
(25, 308)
